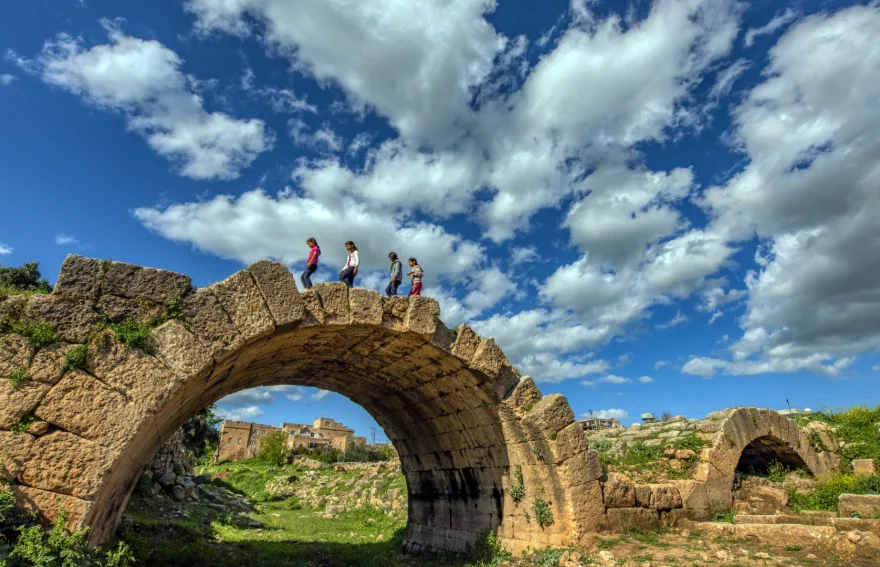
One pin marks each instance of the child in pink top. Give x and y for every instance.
(311, 263)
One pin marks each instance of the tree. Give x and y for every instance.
(200, 434)
(24, 278)
(273, 448)
(665, 416)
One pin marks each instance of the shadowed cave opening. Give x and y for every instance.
(758, 456)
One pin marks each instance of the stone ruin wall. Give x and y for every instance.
(480, 446)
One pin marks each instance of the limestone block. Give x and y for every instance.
(314, 312)
(15, 352)
(723, 414)
(581, 469)
(88, 408)
(643, 495)
(422, 316)
(665, 497)
(49, 505)
(619, 491)
(569, 442)
(73, 318)
(861, 467)
(14, 450)
(619, 520)
(67, 464)
(80, 277)
(490, 360)
(521, 399)
(16, 402)
(38, 428)
(120, 309)
(47, 367)
(179, 349)
(466, 343)
(866, 506)
(549, 416)
(141, 378)
(334, 301)
(243, 301)
(129, 280)
(366, 307)
(693, 495)
(279, 290)
(208, 320)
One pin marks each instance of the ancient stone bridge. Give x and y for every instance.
(481, 449)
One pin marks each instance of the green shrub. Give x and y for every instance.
(487, 550)
(18, 376)
(777, 471)
(543, 514)
(726, 517)
(59, 547)
(24, 279)
(294, 503)
(76, 357)
(41, 334)
(134, 334)
(639, 454)
(856, 427)
(518, 490)
(273, 448)
(829, 489)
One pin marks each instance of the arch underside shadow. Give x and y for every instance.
(450, 402)
(761, 453)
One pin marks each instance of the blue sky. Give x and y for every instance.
(652, 206)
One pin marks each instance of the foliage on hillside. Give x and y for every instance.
(855, 430)
(23, 279)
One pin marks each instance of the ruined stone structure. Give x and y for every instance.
(480, 447)
(241, 439)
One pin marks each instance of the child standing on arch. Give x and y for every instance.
(416, 274)
(347, 273)
(396, 271)
(311, 263)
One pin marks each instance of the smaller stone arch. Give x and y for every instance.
(754, 437)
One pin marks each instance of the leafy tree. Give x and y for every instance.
(274, 448)
(200, 433)
(24, 278)
(666, 416)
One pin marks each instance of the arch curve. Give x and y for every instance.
(755, 436)
(456, 410)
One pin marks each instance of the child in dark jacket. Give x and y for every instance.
(396, 271)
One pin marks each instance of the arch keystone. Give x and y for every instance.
(279, 290)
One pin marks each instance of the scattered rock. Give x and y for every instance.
(722, 555)
(178, 492)
(861, 467)
(202, 479)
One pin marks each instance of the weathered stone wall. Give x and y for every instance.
(467, 428)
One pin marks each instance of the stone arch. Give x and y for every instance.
(466, 426)
(756, 435)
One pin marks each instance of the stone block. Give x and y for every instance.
(521, 399)
(119, 309)
(14, 450)
(865, 506)
(490, 360)
(466, 343)
(550, 415)
(180, 350)
(864, 467)
(67, 464)
(665, 497)
(73, 318)
(619, 520)
(570, 441)
(80, 277)
(16, 402)
(90, 409)
(366, 307)
(49, 506)
(243, 301)
(334, 301)
(581, 469)
(619, 491)
(47, 366)
(279, 290)
(693, 495)
(643, 495)
(141, 378)
(422, 316)
(15, 352)
(130, 280)
(208, 320)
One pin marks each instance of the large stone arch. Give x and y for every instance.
(467, 427)
(751, 433)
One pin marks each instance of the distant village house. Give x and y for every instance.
(241, 439)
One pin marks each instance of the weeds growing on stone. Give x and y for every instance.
(855, 429)
(24, 423)
(543, 514)
(518, 490)
(829, 489)
(134, 334)
(76, 357)
(18, 376)
(41, 334)
(726, 517)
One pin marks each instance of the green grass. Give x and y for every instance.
(854, 426)
(134, 334)
(18, 376)
(726, 517)
(76, 357)
(829, 489)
